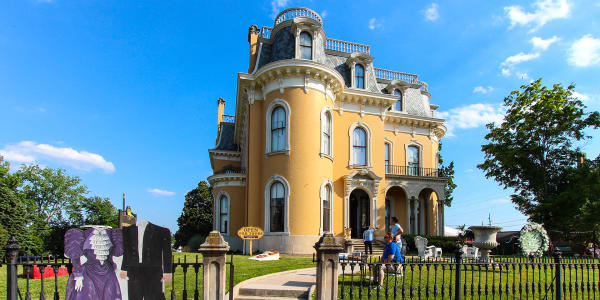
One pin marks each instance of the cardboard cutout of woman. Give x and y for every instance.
(91, 252)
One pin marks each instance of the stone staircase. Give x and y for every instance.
(377, 247)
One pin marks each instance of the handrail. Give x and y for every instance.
(265, 32)
(395, 75)
(413, 171)
(294, 12)
(346, 47)
(228, 118)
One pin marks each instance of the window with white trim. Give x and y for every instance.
(223, 214)
(278, 129)
(326, 134)
(398, 104)
(305, 45)
(413, 160)
(276, 207)
(359, 76)
(327, 208)
(359, 147)
(388, 157)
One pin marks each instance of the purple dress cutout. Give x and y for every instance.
(98, 272)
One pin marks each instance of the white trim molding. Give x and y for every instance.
(286, 209)
(232, 179)
(286, 107)
(322, 196)
(368, 161)
(391, 143)
(366, 180)
(326, 152)
(415, 144)
(218, 212)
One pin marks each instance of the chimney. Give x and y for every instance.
(220, 110)
(581, 160)
(253, 33)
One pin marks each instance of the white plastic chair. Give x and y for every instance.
(423, 250)
(470, 252)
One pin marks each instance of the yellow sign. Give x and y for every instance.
(250, 233)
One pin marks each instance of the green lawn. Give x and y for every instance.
(244, 269)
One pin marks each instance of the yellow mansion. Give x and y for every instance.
(322, 140)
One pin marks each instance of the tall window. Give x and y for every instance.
(305, 45)
(326, 133)
(223, 214)
(327, 209)
(278, 132)
(359, 147)
(277, 206)
(359, 76)
(387, 157)
(398, 105)
(413, 160)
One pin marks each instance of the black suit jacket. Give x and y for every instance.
(156, 251)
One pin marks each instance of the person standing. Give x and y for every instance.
(396, 230)
(368, 240)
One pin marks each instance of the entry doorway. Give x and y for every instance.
(360, 216)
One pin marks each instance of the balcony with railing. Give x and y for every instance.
(395, 75)
(231, 170)
(291, 13)
(346, 47)
(228, 119)
(413, 171)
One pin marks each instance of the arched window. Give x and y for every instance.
(359, 147)
(278, 129)
(398, 105)
(388, 156)
(326, 133)
(223, 214)
(305, 45)
(359, 76)
(277, 207)
(413, 160)
(327, 209)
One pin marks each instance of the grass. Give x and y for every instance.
(244, 269)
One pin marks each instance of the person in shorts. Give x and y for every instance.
(391, 255)
(368, 240)
(396, 230)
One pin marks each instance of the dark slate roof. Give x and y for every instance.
(226, 138)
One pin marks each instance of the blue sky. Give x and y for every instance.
(123, 93)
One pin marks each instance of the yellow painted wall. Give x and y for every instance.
(219, 164)
(237, 196)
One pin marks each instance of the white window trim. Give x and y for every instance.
(218, 212)
(351, 144)
(286, 217)
(324, 111)
(325, 183)
(388, 141)
(312, 49)
(418, 145)
(269, 112)
(402, 103)
(364, 76)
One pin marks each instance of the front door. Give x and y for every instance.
(360, 216)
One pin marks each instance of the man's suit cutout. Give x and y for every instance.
(145, 277)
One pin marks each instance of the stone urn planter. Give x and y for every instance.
(485, 240)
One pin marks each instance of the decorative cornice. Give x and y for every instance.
(231, 179)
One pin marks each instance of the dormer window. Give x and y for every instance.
(359, 76)
(398, 105)
(305, 45)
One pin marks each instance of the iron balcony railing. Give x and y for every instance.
(413, 171)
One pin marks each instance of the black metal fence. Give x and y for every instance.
(459, 278)
(20, 284)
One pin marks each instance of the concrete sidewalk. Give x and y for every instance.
(294, 284)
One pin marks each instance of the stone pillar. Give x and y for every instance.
(214, 268)
(11, 250)
(327, 267)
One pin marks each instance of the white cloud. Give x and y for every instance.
(324, 14)
(162, 193)
(523, 76)
(30, 152)
(519, 58)
(482, 89)
(374, 23)
(545, 11)
(469, 171)
(432, 13)
(501, 201)
(585, 51)
(505, 72)
(471, 116)
(277, 6)
(541, 44)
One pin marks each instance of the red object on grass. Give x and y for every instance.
(48, 272)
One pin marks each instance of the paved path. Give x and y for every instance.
(295, 284)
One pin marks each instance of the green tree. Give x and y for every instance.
(448, 171)
(584, 183)
(100, 211)
(196, 218)
(532, 150)
(13, 215)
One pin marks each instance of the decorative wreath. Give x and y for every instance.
(534, 240)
